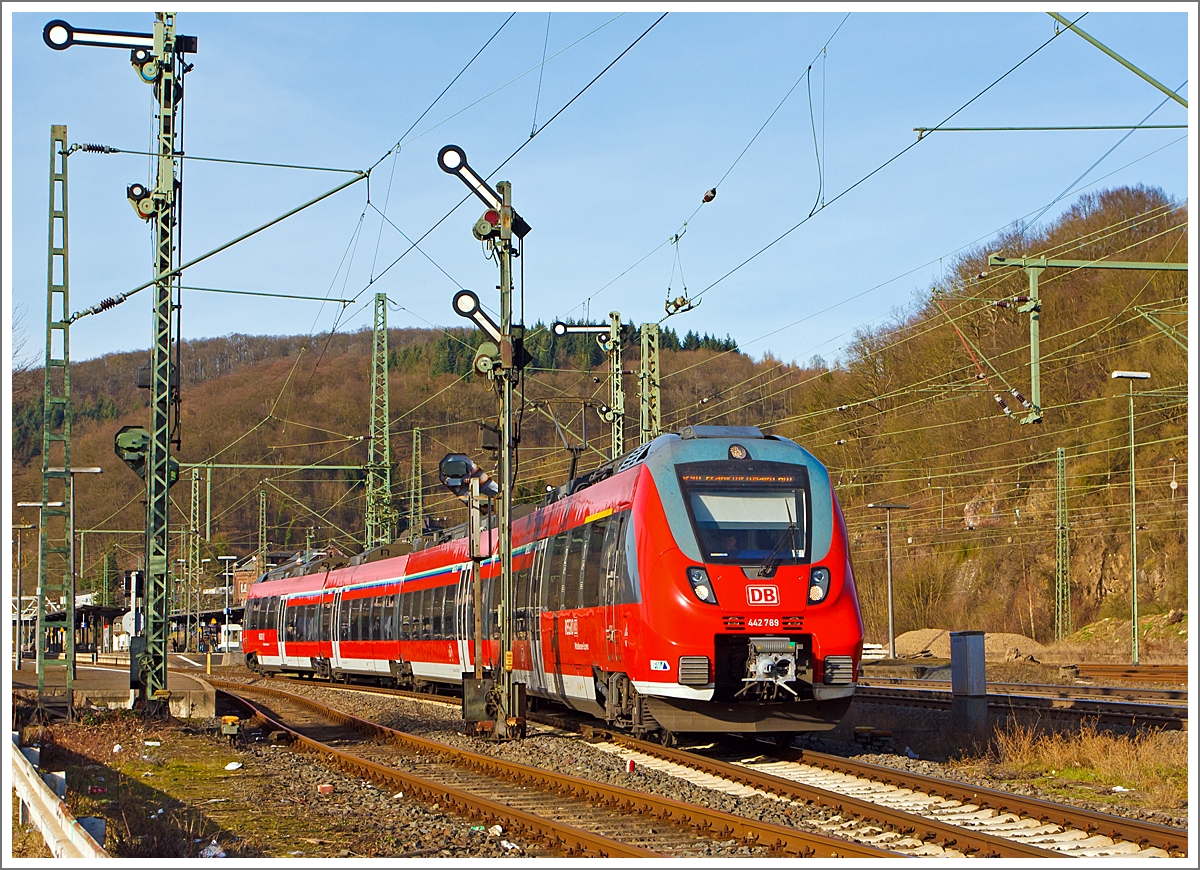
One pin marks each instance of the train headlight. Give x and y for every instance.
(818, 585)
(701, 588)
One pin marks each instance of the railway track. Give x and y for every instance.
(1131, 673)
(942, 817)
(1124, 693)
(1128, 714)
(569, 815)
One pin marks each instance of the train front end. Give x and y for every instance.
(749, 619)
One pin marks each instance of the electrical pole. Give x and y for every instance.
(1062, 554)
(416, 514)
(379, 454)
(56, 544)
(191, 577)
(1034, 266)
(501, 359)
(262, 532)
(650, 384)
(616, 406)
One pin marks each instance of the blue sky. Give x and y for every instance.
(605, 184)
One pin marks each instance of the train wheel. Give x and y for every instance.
(783, 739)
(667, 738)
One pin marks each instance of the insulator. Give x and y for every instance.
(980, 376)
(1001, 303)
(1003, 405)
(110, 302)
(98, 149)
(840, 441)
(842, 407)
(1020, 300)
(1020, 398)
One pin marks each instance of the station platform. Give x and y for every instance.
(106, 684)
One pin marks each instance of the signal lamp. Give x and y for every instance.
(737, 451)
(466, 304)
(701, 587)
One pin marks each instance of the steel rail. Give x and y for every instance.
(1141, 673)
(573, 841)
(976, 843)
(1130, 693)
(1116, 827)
(776, 838)
(1127, 714)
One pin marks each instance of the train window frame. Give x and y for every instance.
(573, 568)
(436, 613)
(552, 581)
(593, 564)
(700, 478)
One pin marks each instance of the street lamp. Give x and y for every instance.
(228, 578)
(889, 507)
(1131, 377)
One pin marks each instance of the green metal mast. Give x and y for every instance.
(616, 406)
(416, 505)
(1034, 266)
(166, 92)
(193, 550)
(650, 384)
(379, 453)
(262, 531)
(56, 561)
(1062, 554)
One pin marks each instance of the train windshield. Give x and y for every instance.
(749, 516)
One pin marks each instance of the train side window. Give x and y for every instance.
(326, 618)
(405, 615)
(589, 594)
(427, 614)
(521, 602)
(573, 576)
(450, 613)
(385, 621)
(343, 619)
(289, 622)
(491, 613)
(312, 621)
(629, 565)
(552, 593)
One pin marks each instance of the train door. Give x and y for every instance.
(465, 619)
(338, 631)
(531, 603)
(614, 623)
(281, 629)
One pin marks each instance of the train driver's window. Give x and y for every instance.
(552, 591)
(573, 577)
(593, 564)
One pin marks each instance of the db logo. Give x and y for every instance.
(762, 594)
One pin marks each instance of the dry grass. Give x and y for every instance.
(1090, 762)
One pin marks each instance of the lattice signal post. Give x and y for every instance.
(608, 336)
(650, 385)
(416, 504)
(1062, 553)
(379, 453)
(56, 559)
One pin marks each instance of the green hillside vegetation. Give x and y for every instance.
(903, 416)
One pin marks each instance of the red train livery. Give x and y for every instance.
(699, 583)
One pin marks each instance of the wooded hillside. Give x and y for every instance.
(907, 414)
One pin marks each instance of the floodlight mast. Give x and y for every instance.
(509, 696)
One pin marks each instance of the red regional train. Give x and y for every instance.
(699, 583)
